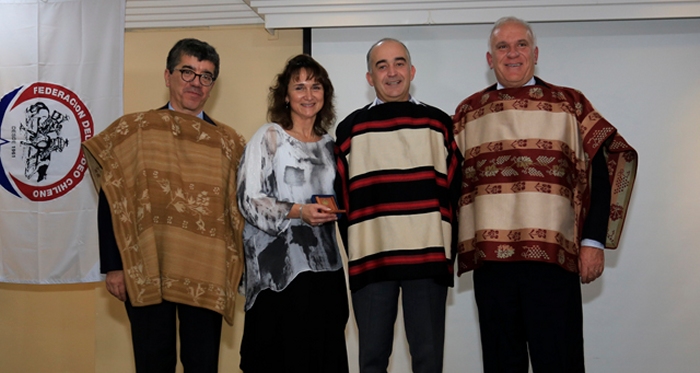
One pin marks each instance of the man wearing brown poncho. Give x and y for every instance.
(170, 230)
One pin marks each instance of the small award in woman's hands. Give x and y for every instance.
(328, 201)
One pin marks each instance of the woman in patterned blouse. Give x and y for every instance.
(296, 295)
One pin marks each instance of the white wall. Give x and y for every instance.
(644, 77)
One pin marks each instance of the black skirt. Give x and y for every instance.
(300, 329)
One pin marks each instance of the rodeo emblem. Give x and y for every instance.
(42, 137)
(41, 128)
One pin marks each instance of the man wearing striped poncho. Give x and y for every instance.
(399, 182)
(546, 186)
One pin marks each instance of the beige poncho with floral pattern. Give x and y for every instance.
(170, 180)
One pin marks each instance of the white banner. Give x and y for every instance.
(61, 75)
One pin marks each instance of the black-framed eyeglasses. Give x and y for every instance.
(206, 79)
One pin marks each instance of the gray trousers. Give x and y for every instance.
(376, 307)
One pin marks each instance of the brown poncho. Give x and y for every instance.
(170, 180)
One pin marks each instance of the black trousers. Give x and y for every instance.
(153, 334)
(529, 307)
(376, 307)
(300, 329)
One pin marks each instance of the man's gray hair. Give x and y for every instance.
(510, 19)
(408, 54)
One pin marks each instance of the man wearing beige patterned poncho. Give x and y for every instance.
(546, 186)
(170, 229)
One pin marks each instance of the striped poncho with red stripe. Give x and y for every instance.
(399, 181)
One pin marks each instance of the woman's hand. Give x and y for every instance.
(316, 214)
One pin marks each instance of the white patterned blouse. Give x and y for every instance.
(277, 171)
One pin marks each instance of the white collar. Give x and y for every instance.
(377, 101)
(530, 82)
